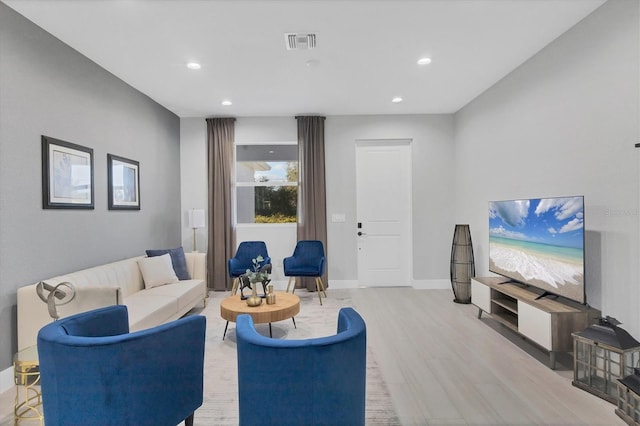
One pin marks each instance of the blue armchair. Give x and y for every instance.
(246, 252)
(94, 372)
(308, 260)
(317, 381)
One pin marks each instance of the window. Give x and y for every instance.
(267, 183)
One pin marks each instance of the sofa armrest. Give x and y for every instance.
(33, 313)
(197, 265)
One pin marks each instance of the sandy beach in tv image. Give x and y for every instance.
(539, 242)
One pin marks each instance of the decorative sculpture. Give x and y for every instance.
(63, 292)
(245, 280)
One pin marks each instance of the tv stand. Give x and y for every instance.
(546, 322)
(545, 294)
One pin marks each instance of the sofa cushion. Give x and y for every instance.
(185, 292)
(147, 310)
(177, 260)
(157, 271)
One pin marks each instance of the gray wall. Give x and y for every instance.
(46, 88)
(565, 123)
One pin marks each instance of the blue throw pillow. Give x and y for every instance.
(178, 261)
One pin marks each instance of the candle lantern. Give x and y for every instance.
(629, 398)
(602, 354)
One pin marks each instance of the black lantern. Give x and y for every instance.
(629, 398)
(603, 353)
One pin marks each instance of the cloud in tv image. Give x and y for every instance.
(539, 242)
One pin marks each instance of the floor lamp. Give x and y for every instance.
(196, 220)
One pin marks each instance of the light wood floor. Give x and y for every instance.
(443, 366)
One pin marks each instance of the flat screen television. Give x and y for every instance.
(540, 242)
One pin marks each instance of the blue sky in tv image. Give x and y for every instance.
(551, 221)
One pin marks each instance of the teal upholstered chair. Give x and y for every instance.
(94, 372)
(319, 381)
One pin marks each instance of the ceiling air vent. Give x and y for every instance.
(300, 41)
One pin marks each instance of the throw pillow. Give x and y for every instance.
(157, 271)
(178, 261)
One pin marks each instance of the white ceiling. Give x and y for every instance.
(366, 50)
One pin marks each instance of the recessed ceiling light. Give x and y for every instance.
(226, 103)
(424, 61)
(396, 100)
(272, 152)
(193, 66)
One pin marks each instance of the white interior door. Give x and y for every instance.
(383, 178)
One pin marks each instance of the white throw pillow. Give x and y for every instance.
(157, 271)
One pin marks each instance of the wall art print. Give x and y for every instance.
(67, 175)
(124, 183)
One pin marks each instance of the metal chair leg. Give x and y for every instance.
(234, 288)
(318, 291)
(289, 284)
(321, 286)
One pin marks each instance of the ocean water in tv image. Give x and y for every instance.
(539, 242)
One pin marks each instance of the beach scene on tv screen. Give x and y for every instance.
(539, 242)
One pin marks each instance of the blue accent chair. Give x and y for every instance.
(94, 372)
(320, 381)
(308, 260)
(246, 252)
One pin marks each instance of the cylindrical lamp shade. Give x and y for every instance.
(462, 264)
(196, 218)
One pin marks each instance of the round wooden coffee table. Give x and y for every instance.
(287, 306)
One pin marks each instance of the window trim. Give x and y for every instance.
(254, 184)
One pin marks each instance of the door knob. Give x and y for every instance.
(361, 233)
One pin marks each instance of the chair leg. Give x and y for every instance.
(234, 288)
(289, 284)
(322, 286)
(189, 420)
(318, 287)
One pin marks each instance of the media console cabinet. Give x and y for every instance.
(548, 322)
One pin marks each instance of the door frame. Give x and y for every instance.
(390, 142)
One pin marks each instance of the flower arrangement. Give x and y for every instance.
(259, 273)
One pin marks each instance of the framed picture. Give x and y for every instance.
(124, 183)
(67, 175)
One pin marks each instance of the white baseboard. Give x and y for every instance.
(440, 284)
(6, 379)
(337, 284)
(343, 284)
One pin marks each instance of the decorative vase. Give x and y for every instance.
(271, 296)
(254, 299)
(462, 264)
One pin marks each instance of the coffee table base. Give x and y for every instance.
(270, 332)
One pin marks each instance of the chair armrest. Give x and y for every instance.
(332, 368)
(145, 377)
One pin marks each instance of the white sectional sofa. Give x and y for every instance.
(116, 283)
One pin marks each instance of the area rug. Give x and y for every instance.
(220, 405)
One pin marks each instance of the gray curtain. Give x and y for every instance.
(312, 204)
(222, 239)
